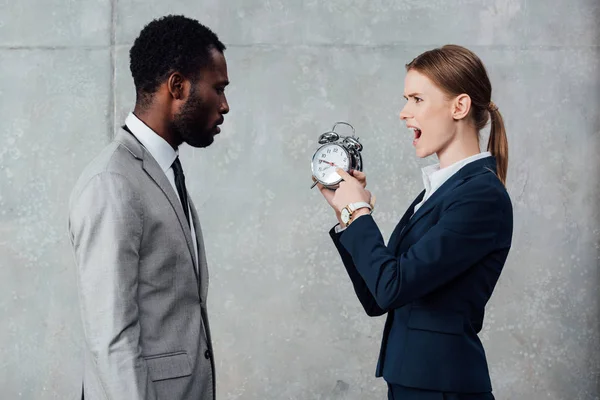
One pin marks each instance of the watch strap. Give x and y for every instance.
(360, 204)
(352, 207)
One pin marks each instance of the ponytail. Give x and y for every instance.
(498, 143)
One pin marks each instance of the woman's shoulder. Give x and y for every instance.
(484, 187)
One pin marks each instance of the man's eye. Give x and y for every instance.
(418, 99)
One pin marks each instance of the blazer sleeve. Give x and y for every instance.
(360, 287)
(105, 224)
(474, 224)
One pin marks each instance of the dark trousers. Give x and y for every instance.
(397, 392)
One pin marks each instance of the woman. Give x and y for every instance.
(441, 263)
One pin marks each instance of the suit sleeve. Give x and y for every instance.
(105, 223)
(470, 228)
(360, 287)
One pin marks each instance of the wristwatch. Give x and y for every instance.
(346, 213)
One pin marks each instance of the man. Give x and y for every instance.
(142, 273)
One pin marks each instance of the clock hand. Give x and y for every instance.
(327, 162)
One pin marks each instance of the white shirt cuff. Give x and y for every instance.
(338, 228)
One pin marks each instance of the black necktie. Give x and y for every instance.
(180, 184)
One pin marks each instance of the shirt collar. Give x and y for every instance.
(158, 147)
(434, 177)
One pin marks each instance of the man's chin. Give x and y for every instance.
(205, 142)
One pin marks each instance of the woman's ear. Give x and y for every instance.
(461, 106)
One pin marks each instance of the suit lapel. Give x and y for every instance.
(483, 165)
(202, 264)
(393, 242)
(429, 204)
(153, 170)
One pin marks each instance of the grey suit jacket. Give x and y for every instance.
(143, 303)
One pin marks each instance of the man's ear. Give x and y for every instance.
(461, 106)
(176, 86)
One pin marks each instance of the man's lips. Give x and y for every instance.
(217, 128)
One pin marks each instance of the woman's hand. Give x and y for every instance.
(351, 190)
(360, 177)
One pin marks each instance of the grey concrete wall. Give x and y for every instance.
(285, 321)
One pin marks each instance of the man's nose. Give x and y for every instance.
(224, 106)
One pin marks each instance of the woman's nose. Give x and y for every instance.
(404, 113)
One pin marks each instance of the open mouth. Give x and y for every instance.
(417, 133)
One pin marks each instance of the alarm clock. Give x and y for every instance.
(336, 151)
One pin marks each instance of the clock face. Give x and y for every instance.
(326, 160)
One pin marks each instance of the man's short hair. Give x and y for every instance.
(173, 43)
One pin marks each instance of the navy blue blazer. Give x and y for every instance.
(433, 280)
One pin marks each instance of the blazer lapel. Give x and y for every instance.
(158, 176)
(202, 264)
(393, 242)
(429, 204)
(487, 164)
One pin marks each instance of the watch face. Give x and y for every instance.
(345, 215)
(326, 160)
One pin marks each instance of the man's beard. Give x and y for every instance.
(190, 123)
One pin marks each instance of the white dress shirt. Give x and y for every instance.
(434, 177)
(164, 155)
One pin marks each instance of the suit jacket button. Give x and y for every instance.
(207, 354)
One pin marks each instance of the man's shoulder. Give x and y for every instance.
(113, 159)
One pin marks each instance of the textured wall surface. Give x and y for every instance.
(285, 321)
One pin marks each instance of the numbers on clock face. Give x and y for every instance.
(328, 158)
